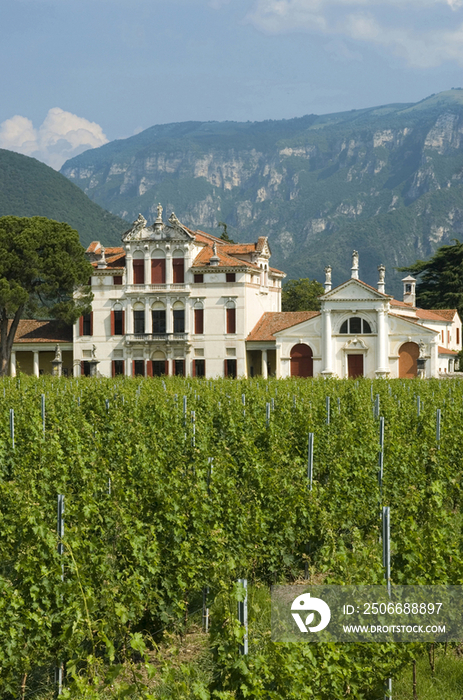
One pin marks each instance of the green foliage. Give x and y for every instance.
(441, 278)
(31, 188)
(301, 295)
(140, 548)
(224, 235)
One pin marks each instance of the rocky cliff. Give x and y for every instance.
(386, 180)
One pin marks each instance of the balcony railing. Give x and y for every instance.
(156, 337)
(158, 287)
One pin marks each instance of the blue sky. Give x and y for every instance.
(77, 73)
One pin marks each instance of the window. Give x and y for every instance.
(138, 322)
(448, 337)
(117, 280)
(231, 320)
(159, 367)
(230, 368)
(138, 368)
(231, 276)
(355, 326)
(179, 368)
(85, 368)
(139, 272)
(408, 289)
(199, 321)
(117, 322)
(159, 321)
(458, 336)
(179, 321)
(158, 271)
(199, 279)
(86, 324)
(178, 265)
(199, 368)
(117, 367)
(442, 336)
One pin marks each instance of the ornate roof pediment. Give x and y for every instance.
(352, 290)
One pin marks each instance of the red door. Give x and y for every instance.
(355, 366)
(301, 361)
(408, 355)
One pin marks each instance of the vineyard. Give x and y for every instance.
(173, 489)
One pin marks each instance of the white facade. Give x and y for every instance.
(175, 301)
(361, 331)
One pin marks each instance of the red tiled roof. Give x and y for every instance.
(274, 321)
(204, 256)
(446, 351)
(396, 302)
(32, 331)
(431, 315)
(448, 314)
(240, 248)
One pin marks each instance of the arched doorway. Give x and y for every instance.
(408, 355)
(301, 361)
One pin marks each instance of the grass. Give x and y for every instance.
(445, 684)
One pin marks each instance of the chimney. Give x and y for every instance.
(355, 266)
(328, 279)
(381, 283)
(409, 290)
(214, 260)
(102, 264)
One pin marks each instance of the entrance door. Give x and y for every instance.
(408, 355)
(301, 361)
(355, 366)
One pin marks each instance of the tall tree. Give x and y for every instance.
(301, 295)
(224, 235)
(43, 272)
(440, 284)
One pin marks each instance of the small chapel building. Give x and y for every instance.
(174, 301)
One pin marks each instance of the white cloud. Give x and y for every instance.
(62, 135)
(401, 26)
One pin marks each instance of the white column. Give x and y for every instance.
(148, 318)
(264, 364)
(382, 363)
(13, 364)
(187, 316)
(169, 271)
(129, 267)
(128, 317)
(327, 361)
(147, 268)
(128, 365)
(435, 357)
(278, 362)
(36, 363)
(169, 317)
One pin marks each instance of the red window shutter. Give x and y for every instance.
(149, 368)
(91, 322)
(112, 325)
(231, 320)
(123, 322)
(113, 366)
(458, 336)
(178, 265)
(199, 321)
(81, 325)
(193, 369)
(133, 368)
(442, 334)
(123, 367)
(117, 279)
(199, 278)
(166, 370)
(139, 272)
(158, 271)
(225, 371)
(82, 371)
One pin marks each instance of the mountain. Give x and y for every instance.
(387, 181)
(31, 188)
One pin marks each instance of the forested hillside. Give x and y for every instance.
(31, 188)
(386, 181)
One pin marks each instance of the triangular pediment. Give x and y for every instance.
(174, 230)
(354, 290)
(301, 330)
(400, 325)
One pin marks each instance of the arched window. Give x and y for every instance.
(355, 326)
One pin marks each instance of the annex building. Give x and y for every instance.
(171, 300)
